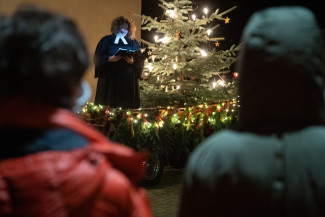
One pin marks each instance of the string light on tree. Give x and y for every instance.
(150, 67)
(204, 53)
(170, 13)
(221, 83)
(214, 84)
(165, 40)
(205, 11)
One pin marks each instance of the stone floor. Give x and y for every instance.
(165, 196)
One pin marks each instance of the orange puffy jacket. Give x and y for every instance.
(100, 179)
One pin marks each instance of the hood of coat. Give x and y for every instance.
(281, 71)
(17, 113)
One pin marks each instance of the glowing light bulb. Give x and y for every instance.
(170, 13)
(221, 83)
(150, 67)
(156, 37)
(214, 84)
(165, 40)
(209, 31)
(203, 53)
(175, 66)
(205, 10)
(193, 17)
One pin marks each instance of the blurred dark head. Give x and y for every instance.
(42, 57)
(281, 71)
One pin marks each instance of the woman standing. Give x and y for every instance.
(118, 77)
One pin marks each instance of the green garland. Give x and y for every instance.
(171, 132)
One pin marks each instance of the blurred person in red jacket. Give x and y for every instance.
(53, 163)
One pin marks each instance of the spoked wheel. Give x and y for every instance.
(155, 170)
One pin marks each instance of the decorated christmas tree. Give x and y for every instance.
(183, 68)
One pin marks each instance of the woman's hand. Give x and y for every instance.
(129, 60)
(114, 58)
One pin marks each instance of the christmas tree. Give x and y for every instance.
(185, 97)
(182, 68)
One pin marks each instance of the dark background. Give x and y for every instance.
(238, 17)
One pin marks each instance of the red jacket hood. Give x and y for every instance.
(19, 113)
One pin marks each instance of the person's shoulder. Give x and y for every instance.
(111, 36)
(224, 148)
(133, 39)
(317, 129)
(117, 186)
(225, 139)
(122, 196)
(215, 145)
(107, 38)
(236, 140)
(312, 137)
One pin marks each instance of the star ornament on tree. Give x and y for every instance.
(149, 52)
(227, 20)
(217, 44)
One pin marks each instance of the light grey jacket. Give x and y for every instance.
(274, 164)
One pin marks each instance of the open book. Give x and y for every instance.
(124, 52)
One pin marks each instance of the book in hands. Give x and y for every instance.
(124, 52)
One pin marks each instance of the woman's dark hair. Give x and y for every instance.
(120, 22)
(42, 55)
